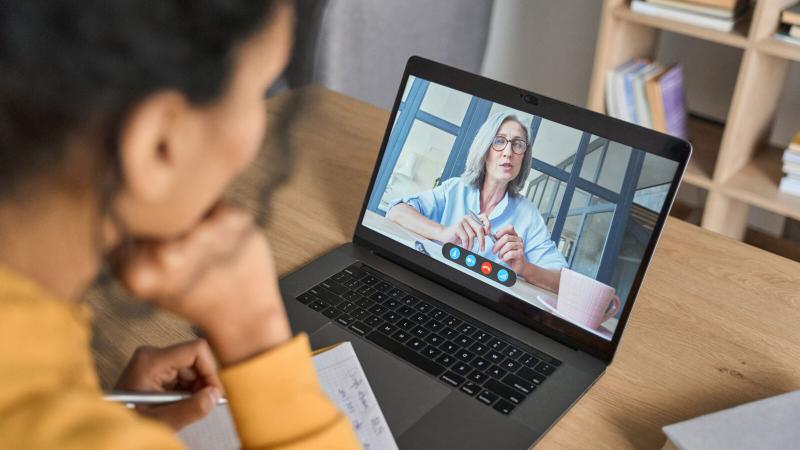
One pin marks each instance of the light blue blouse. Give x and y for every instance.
(450, 201)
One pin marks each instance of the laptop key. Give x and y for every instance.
(391, 316)
(351, 284)
(359, 328)
(410, 300)
(478, 376)
(331, 313)
(355, 272)
(504, 391)
(437, 314)
(373, 321)
(406, 310)
(387, 328)
(449, 347)
(365, 290)
(382, 286)
(431, 352)
(326, 295)
(406, 353)
(465, 355)
(530, 375)
(379, 297)
(350, 295)
(345, 320)
(512, 352)
(334, 287)
(415, 344)
(510, 365)
(480, 363)
(305, 298)
(420, 332)
(423, 307)
(401, 336)
(405, 324)
(364, 302)
(434, 339)
(461, 369)
(545, 368)
(496, 372)
(481, 336)
(463, 341)
(470, 388)
(448, 333)
(452, 322)
(341, 276)
(369, 280)
(377, 309)
(466, 328)
(494, 357)
(479, 348)
(497, 345)
(504, 407)
(419, 318)
(518, 383)
(433, 325)
(445, 360)
(396, 293)
(359, 313)
(452, 379)
(529, 361)
(346, 306)
(487, 397)
(318, 305)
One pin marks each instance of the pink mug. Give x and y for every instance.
(586, 301)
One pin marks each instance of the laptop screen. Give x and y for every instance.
(556, 217)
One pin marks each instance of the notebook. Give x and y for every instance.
(345, 383)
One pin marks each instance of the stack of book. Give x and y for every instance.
(648, 94)
(789, 30)
(719, 15)
(790, 183)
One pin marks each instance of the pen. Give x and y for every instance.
(478, 219)
(133, 398)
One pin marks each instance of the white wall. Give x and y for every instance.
(548, 46)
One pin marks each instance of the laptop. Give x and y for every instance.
(496, 260)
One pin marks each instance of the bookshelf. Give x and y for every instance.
(732, 162)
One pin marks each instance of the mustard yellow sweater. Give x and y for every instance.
(50, 396)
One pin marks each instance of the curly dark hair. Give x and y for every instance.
(64, 63)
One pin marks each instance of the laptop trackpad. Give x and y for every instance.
(404, 393)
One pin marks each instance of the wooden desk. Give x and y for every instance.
(716, 323)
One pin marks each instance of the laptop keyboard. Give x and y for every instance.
(481, 362)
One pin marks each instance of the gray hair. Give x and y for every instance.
(475, 170)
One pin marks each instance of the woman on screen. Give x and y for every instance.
(483, 211)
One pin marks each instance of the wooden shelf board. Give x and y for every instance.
(705, 137)
(776, 47)
(736, 38)
(757, 185)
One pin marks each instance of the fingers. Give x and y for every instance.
(182, 413)
(508, 247)
(506, 230)
(478, 229)
(165, 269)
(469, 232)
(193, 361)
(511, 256)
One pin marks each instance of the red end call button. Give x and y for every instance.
(486, 268)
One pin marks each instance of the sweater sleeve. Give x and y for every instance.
(50, 396)
(277, 402)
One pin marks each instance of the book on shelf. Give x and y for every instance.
(695, 13)
(785, 33)
(790, 183)
(791, 15)
(648, 94)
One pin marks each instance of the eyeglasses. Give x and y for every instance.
(518, 146)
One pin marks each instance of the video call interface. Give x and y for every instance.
(555, 216)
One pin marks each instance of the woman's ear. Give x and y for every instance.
(150, 146)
